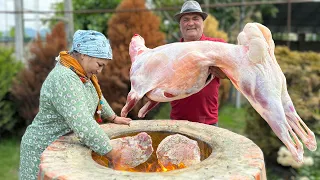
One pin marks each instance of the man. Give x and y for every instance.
(203, 106)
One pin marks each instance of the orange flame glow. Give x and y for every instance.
(150, 166)
(156, 167)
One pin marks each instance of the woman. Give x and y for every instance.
(71, 101)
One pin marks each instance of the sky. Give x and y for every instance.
(7, 20)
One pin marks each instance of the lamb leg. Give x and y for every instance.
(132, 100)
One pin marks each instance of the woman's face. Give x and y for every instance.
(92, 65)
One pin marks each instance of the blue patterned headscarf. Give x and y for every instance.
(91, 43)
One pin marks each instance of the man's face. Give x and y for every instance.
(191, 26)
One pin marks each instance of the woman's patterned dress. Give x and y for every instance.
(66, 105)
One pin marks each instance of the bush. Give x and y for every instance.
(312, 172)
(114, 79)
(302, 72)
(9, 67)
(26, 88)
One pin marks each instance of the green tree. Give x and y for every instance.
(9, 67)
(211, 28)
(168, 24)
(228, 17)
(301, 70)
(114, 80)
(12, 32)
(93, 21)
(26, 89)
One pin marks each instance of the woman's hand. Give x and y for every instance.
(121, 120)
(217, 72)
(114, 157)
(130, 151)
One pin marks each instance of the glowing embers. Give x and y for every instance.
(145, 167)
(153, 165)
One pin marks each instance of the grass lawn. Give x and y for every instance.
(164, 111)
(232, 118)
(9, 155)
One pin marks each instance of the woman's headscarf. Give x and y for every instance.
(91, 43)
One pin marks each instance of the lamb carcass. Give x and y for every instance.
(178, 70)
(134, 150)
(176, 149)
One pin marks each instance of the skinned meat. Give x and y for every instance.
(178, 70)
(134, 150)
(177, 149)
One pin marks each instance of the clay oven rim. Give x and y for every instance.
(233, 156)
(207, 133)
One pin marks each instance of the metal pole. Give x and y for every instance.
(18, 35)
(37, 17)
(207, 5)
(6, 22)
(238, 95)
(69, 17)
(289, 23)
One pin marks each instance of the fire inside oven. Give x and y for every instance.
(152, 164)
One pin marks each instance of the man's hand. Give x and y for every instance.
(217, 72)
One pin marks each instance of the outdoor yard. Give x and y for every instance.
(29, 50)
(230, 118)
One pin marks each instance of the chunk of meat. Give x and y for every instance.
(177, 149)
(178, 70)
(133, 150)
